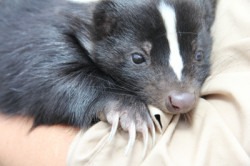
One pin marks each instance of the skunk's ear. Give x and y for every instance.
(104, 19)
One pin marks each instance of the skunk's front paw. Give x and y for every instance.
(132, 116)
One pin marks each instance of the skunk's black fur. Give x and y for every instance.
(64, 63)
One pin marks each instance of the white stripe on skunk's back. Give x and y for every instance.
(169, 18)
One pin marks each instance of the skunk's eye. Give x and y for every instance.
(138, 58)
(199, 56)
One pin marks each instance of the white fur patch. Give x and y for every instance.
(82, 1)
(169, 18)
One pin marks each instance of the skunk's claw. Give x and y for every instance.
(114, 122)
(152, 130)
(145, 139)
(132, 137)
(132, 121)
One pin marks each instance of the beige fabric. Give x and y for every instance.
(220, 131)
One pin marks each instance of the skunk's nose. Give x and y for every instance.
(180, 102)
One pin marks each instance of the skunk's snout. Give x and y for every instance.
(180, 102)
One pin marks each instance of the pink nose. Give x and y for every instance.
(180, 102)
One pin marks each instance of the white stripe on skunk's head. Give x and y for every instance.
(159, 50)
(169, 18)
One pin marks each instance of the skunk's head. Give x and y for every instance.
(158, 50)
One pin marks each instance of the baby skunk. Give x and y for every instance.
(67, 63)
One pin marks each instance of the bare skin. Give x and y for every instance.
(43, 146)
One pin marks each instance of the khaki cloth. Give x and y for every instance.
(220, 130)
